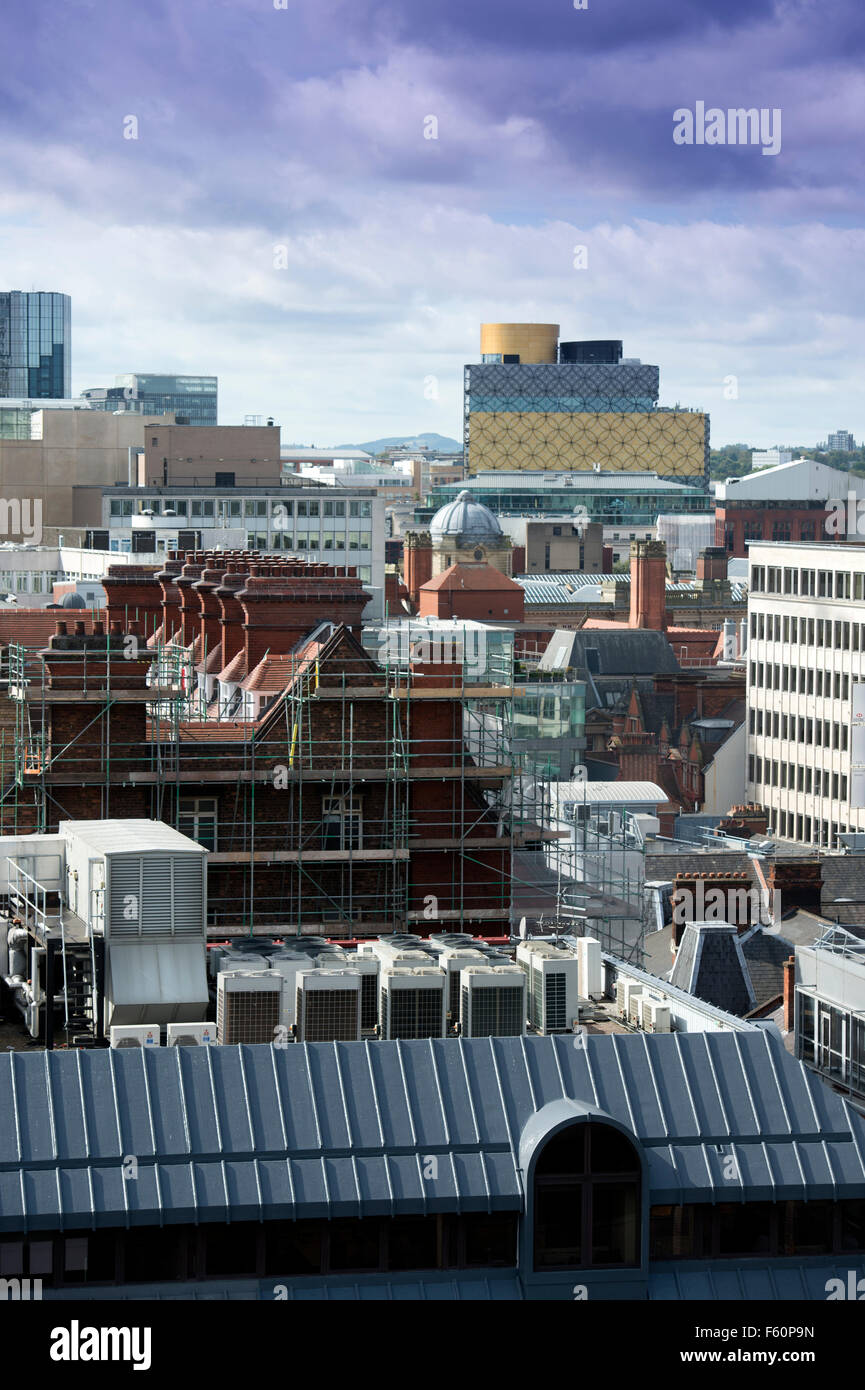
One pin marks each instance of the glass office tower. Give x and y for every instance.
(193, 398)
(35, 333)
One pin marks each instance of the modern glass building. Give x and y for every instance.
(610, 498)
(192, 398)
(534, 403)
(35, 334)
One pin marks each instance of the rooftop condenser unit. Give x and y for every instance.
(493, 1003)
(413, 1002)
(328, 1005)
(248, 1006)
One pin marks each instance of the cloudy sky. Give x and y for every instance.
(284, 220)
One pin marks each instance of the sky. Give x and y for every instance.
(320, 201)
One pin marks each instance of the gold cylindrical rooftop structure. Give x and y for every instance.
(531, 342)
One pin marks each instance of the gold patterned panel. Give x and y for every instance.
(669, 443)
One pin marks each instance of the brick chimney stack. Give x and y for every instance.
(712, 563)
(167, 581)
(280, 609)
(133, 593)
(649, 585)
(190, 609)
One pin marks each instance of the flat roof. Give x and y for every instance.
(130, 836)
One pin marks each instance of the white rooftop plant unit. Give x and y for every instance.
(134, 1035)
(591, 974)
(328, 1007)
(625, 988)
(249, 1007)
(413, 1002)
(144, 885)
(553, 986)
(191, 1035)
(493, 1001)
(657, 1016)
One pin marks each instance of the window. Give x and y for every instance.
(342, 822)
(587, 1199)
(197, 817)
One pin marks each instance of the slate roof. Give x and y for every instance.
(339, 1129)
(710, 964)
(621, 651)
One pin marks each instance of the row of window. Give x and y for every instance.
(807, 583)
(792, 825)
(821, 733)
(739, 1229)
(769, 772)
(236, 507)
(256, 1249)
(799, 680)
(833, 634)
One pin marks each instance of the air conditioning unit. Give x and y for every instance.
(328, 1007)
(552, 986)
(134, 1035)
(656, 1016)
(232, 959)
(413, 1002)
(635, 1005)
(493, 1001)
(249, 1006)
(191, 1034)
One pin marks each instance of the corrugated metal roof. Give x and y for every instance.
(341, 1129)
(608, 793)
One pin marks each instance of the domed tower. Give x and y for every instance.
(465, 532)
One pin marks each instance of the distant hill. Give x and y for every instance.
(440, 442)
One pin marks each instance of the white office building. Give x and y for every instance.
(806, 688)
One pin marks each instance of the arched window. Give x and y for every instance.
(587, 1200)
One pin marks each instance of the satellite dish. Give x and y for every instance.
(522, 928)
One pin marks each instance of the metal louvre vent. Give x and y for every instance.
(187, 894)
(157, 895)
(125, 897)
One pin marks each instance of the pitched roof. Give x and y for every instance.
(340, 1128)
(477, 578)
(32, 627)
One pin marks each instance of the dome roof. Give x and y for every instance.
(72, 600)
(466, 519)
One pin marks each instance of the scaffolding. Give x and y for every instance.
(335, 810)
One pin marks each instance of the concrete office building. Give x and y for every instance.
(532, 405)
(547, 544)
(806, 689)
(35, 347)
(309, 521)
(69, 449)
